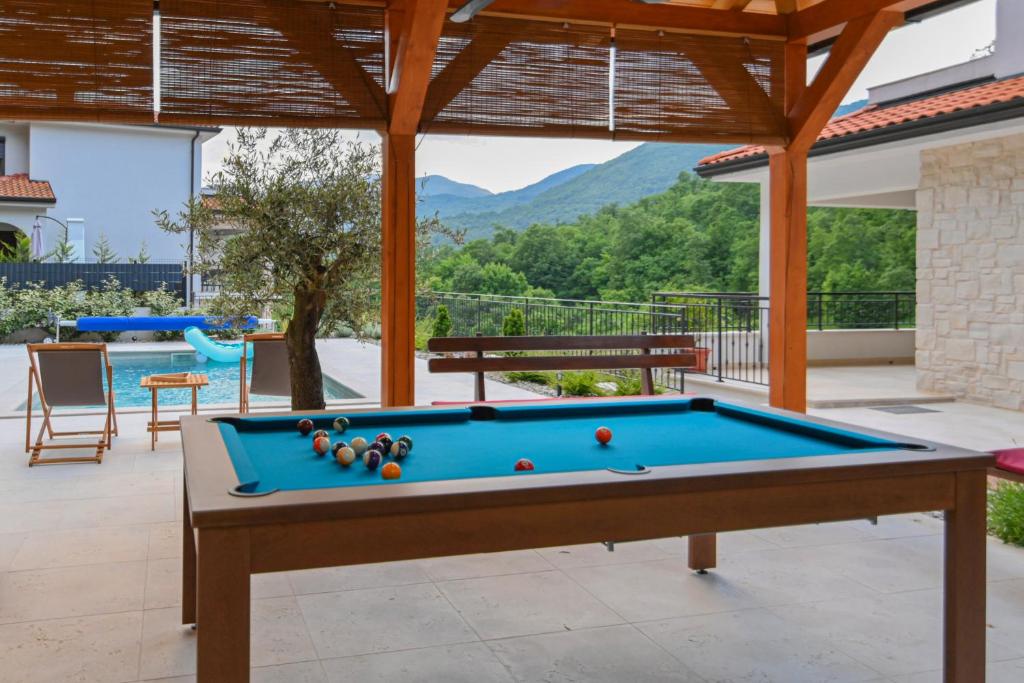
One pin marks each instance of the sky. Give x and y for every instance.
(500, 164)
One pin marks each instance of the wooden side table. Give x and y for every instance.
(183, 380)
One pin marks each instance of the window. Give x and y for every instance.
(3, 150)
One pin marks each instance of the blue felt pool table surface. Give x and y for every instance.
(268, 453)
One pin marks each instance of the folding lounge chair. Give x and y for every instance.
(68, 375)
(271, 374)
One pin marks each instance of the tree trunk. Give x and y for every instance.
(307, 378)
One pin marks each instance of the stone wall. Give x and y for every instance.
(970, 272)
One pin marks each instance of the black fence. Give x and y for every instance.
(140, 277)
(825, 310)
(728, 335)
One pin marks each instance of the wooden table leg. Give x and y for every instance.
(965, 582)
(188, 567)
(195, 400)
(702, 554)
(222, 647)
(153, 420)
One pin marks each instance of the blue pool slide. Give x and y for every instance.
(158, 323)
(218, 352)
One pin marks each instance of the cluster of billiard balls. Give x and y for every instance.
(372, 454)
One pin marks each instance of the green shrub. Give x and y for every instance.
(1006, 513)
(581, 384)
(163, 302)
(424, 331)
(531, 376)
(442, 322)
(514, 324)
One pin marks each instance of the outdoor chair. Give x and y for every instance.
(69, 375)
(271, 374)
(1009, 465)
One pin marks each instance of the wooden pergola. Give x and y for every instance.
(731, 71)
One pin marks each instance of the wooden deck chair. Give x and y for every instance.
(67, 375)
(271, 374)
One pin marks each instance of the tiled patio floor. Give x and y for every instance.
(90, 587)
(89, 591)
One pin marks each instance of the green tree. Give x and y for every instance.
(306, 204)
(442, 322)
(102, 251)
(18, 252)
(63, 251)
(142, 256)
(514, 324)
(498, 278)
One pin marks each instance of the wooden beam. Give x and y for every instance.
(734, 5)
(827, 19)
(414, 58)
(398, 270)
(848, 57)
(640, 15)
(787, 303)
(460, 72)
(785, 6)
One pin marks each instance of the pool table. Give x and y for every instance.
(259, 499)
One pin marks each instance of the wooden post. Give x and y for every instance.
(964, 604)
(398, 271)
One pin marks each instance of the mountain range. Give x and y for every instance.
(564, 196)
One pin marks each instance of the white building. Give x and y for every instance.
(949, 144)
(99, 180)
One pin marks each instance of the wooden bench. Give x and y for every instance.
(570, 353)
(563, 353)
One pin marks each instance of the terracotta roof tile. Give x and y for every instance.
(20, 186)
(873, 116)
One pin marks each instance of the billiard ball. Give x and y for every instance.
(385, 441)
(321, 445)
(359, 445)
(337, 446)
(378, 446)
(345, 456)
(524, 465)
(603, 435)
(382, 436)
(321, 433)
(399, 450)
(391, 470)
(341, 424)
(407, 441)
(305, 426)
(371, 459)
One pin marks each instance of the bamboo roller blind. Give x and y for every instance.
(271, 62)
(77, 60)
(290, 63)
(504, 75)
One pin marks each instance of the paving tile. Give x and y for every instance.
(814, 534)
(371, 620)
(163, 584)
(754, 645)
(301, 672)
(275, 585)
(126, 484)
(1001, 672)
(124, 510)
(891, 634)
(662, 589)
(466, 663)
(279, 633)
(94, 649)
(525, 604)
(165, 540)
(901, 526)
(10, 544)
(32, 491)
(168, 647)
(613, 655)
(42, 550)
(592, 554)
(38, 516)
(484, 564)
(334, 579)
(71, 591)
(729, 543)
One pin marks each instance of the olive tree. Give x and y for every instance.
(295, 225)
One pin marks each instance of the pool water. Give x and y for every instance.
(131, 367)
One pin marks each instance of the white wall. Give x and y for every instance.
(16, 147)
(113, 177)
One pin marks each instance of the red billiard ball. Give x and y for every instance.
(524, 465)
(305, 426)
(603, 435)
(321, 445)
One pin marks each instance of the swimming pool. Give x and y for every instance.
(130, 367)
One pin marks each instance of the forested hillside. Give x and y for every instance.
(696, 236)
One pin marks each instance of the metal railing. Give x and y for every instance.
(728, 335)
(730, 329)
(825, 310)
